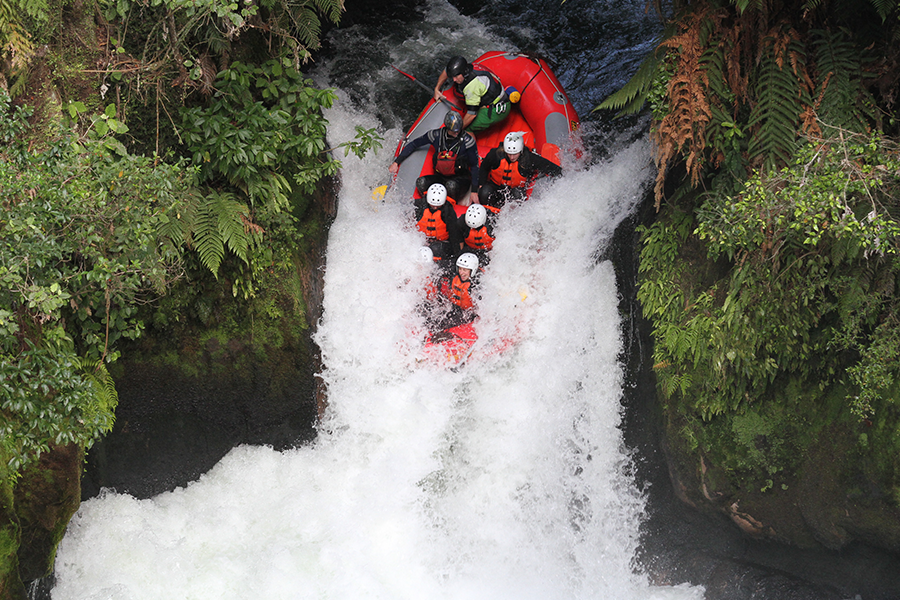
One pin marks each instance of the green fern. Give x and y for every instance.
(884, 8)
(15, 43)
(332, 9)
(219, 225)
(775, 117)
(173, 230)
(101, 411)
(631, 97)
(840, 71)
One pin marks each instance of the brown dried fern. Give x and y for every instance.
(683, 129)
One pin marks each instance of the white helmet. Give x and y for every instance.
(426, 256)
(476, 215)
(513, 142)
(467, 261)
(437, 195)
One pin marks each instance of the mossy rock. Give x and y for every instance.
(46, 495)
(11, 587)
(830, 498)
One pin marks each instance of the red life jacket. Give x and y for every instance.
(446, 155)
(479, 238)
(507, 174)
(459, 293)
(432, 225)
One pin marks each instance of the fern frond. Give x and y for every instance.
(231, 215)
(15, 43)
(332, 9)
(884, 8)
(631, 97)
(811, 5)
(306, 23)
(101, 411)
(207, 239)
(775, 117)
(683, 129)
(715, 62)
(841, 92)
(173, 231)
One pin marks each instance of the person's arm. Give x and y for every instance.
(419, 205)
(490, 162)
(449, 216)
(408, 149)
(473, 158)
(462, 230)
(538, 165)
(438, 94)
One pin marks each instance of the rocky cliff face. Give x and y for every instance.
(830, 503)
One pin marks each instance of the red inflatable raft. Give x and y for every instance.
(546, 115)
(544, 112)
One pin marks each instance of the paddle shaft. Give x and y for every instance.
(426, 88)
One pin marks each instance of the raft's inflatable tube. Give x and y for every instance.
(544, 112)
(543, 102)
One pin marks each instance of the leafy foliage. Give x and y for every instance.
(773, 292)
(260, 123)
(198, 37)
(631, 97)
(79, 250)
(814, 254)
(262, 134)
(747, 80)
(775, 116)
(15, 43)
(842, 101)
(221, 222)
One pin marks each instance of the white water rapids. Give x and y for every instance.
(505, 479)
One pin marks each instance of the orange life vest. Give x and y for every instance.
(459, 293)
(432, 225)
(507, 174)
(479, 238)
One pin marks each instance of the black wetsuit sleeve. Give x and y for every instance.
(538, 165)
(449, 217)
(419, 205)
(461, 227)
(490, 162)
(474, 159)
(412, 146)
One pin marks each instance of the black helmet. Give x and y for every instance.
(453, 122)
(457, 66)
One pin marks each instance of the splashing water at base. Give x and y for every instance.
(504, 479)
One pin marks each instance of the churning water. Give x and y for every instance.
(506, 478)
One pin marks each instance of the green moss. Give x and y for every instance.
(46, 496)
(200, 328)
(9, 533)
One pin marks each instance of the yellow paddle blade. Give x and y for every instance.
(379, 192)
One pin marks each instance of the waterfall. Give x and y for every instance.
(504, 478)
